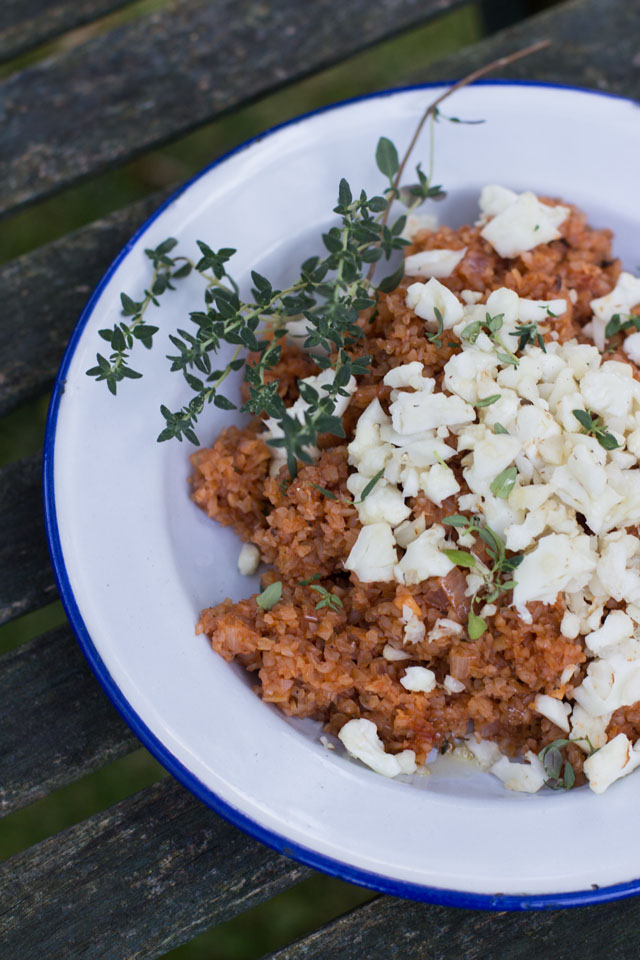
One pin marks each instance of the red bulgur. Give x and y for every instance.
(328, 664)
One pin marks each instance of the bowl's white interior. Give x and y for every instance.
(142, 560)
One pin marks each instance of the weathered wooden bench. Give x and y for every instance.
(158, 868)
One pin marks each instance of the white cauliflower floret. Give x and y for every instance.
(615, 759)
(361, 739)
(373, 556)
(524, 224)
(558, 562)
(426, 298)
(424, 558)
(433, 263)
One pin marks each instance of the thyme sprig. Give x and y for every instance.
(529, 333)
(596, 428)
(559, 771)
(497, 578)
(327, 599)
(491, 326)
(329, 294)
(618, 325)
(122, 336)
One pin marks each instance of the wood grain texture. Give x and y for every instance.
(70, 267)
(26, 577)
(26, 23)
(400, 930)
(595, 44)
(56, 724)
(150, 80)
(67, 270)
(134, 881)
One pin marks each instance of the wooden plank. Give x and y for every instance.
(594, 45)
(135, 881)
(26, 23)
(56, 724)
(401, 930)
(68, 269)
(26, 578)
(153, 79)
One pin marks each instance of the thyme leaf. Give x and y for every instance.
(497, 578)
(504, 483)
(270, 596)
(327, 599)
(596, 428)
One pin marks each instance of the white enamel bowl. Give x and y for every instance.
(136, 560)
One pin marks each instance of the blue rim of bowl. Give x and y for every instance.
(310, 857)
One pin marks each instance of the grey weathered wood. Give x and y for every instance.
(152, 79)
(400, 930)
(26, 23)
(65, 272)
(26, 578)
(134, 881)
(56, 724)
(595, 44)
(69, 268)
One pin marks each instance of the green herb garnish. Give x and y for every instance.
(618, 325)
(488, 400)
(270, 596)
(330, 292)
(529, 333)
(491, 326)
(504, 483)
(369, 487)
(498, 428)
(596, 428)
(496, 578)
(327, 599)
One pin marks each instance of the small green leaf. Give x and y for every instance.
(344, 193)
(269, 597)
(456, 520)
(390, 282)
(505, 358)
(498, 428)
(476, 626)
(504, 483)
(460, 557)
(487, 401)
(606, 440)
(583, 418)
(369, 487)
(387, 158)
(327, 493)
(129, 306)
(222, 403)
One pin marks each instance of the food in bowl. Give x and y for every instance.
(460, 572)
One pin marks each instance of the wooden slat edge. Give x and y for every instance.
(135, 881)
(151, 80)
(56, 724)
(402, 930)
(26, 577)
(21, 29)
(594, 44)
